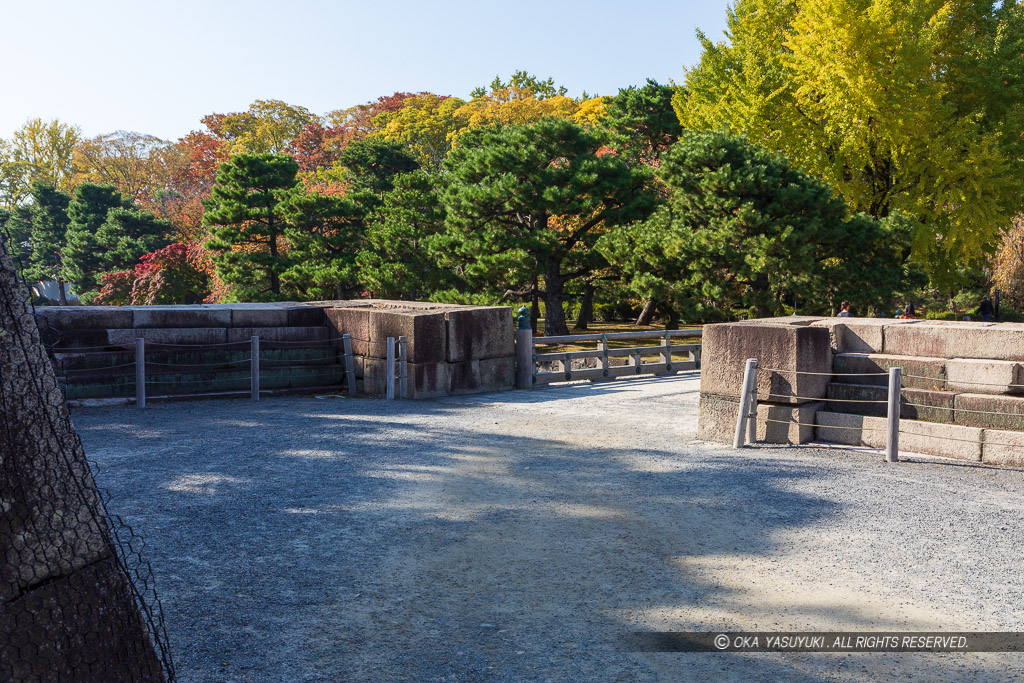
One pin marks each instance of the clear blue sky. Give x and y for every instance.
(158, 66)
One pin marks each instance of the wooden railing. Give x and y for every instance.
(527, 358)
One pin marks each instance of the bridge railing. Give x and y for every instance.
(638, 359)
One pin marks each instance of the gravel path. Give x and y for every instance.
(513, 536)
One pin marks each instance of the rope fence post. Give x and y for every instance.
(892, 431)
(666, 355)
(140, 372)
(524, 350)
(603, 347)
(749, 377)
(389, 374)
(752, 408)
(403, 369)
(350, 366)
(254, 368)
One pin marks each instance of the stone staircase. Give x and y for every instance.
(948, 407)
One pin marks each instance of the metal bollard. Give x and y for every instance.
(892, 425)
(254, 368)
(140, 373)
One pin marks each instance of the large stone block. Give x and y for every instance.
(169, 335)
(258, 315)
(86, 317)
(425, 380)
(852, 430)
(998, 341)
(946, 440)
(789, 423)
(986, 410)
(861, 399)
(480, 332)
(351, 320)
(425, 332)
(780, 351)
(929, 438)
(932, 406)
(859, 335)
(716, 418)
(984, 376)
(476, 376)
(1000, 447)
(181, 316)
(871, 368)
(308, 314)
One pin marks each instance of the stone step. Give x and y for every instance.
(866, 399)
(953, 374)
(992, 446)
(871, 364)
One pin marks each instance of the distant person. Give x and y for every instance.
(909, 314)
(898, 313)
(844, 309)
(986, 309)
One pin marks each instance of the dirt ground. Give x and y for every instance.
(516, 536)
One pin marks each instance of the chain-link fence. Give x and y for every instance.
(77, 600)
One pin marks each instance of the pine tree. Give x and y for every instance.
(245, 215)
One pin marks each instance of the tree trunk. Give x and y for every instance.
(63, 292)
(534, 305)
(554, 316)
(63, 587)
(275, 280)
(586, 308)
(648, 313)
(673, 320)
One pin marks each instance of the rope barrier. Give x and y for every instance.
(829, 374)
(190, 365)
(964, 381)
(964, 410)
(836, 400)
(810, 424)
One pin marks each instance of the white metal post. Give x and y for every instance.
(254, 368)
(350, 366)
(403, 369)
(892, 432)
(140, 372)
(389, 374)
(749, 377)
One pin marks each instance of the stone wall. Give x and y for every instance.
(203, 349)
(963, 386)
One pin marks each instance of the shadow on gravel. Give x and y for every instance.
(298, 539)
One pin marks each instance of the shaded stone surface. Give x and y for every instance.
(424, 331)
(480, 332)
(779, 349)
(918, 372)
(787, 423)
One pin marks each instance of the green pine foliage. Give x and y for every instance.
(402, 256)
(530, 201)
(84, 256)
(743, 229)
(245, 216)
(325, 234)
